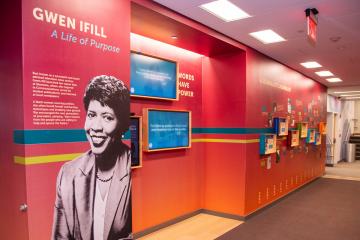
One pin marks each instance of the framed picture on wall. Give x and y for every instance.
(293, 138)
(166, 129)
(322, 127)
(267, 143)
(311, 136)
(281, 126)
(317, 138)
(303, 128)
(153, 77)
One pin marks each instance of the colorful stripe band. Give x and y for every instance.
(78, 135)
(67, 157)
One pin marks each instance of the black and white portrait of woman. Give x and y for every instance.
(93, 191)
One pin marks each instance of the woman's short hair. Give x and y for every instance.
(113, 93)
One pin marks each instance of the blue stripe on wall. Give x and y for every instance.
(78, 135)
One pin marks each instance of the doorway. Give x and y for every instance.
(331, 141)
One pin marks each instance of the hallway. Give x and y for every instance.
(344, 170)
(325, 209)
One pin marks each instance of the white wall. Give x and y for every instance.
(346, 126)
(333, 132)
(342, 113)
(329, 137)
(357, 117)
(338, 143)
(333, 104)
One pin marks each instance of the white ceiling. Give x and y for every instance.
(337, 48)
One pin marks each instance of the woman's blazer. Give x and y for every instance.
(74, 204)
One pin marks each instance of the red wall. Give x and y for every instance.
(55, 55)
(297, 165)
(221, 172)
(13, 223)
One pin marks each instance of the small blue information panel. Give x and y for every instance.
(153, 77)
(135, 129)
(134, 135)
(168, 129)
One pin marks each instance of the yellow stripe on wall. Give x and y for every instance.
(71, 156)
(45, 159)
(221, 140)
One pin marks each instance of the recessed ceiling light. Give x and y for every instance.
(311, 64)
(267, 36)
(349, 95)
(174, 37)
(225, 10)
(348, 92)
(333, 80)
(324, 73)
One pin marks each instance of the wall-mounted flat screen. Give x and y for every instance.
(135, 130)
(133, 138)
(153, 77)
(167, 129)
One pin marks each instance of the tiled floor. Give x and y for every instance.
(344, 170)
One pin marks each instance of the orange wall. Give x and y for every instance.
(224, 107)
(209, 175)
(169, 183)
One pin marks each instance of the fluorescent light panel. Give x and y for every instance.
(267, 36)
(348, 92)
(225, 10)
(350, 95)
(332, 80)
(311, 64)
(349, 98)
(324, 73)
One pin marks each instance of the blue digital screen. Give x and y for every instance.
(134, 129)
(168, 129)
(133, 134)
(152, 77)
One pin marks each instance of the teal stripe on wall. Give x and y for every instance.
(78, 135)
(52, 136)
(49, 136)
(127, 135)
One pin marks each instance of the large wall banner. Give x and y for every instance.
(76, 103)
